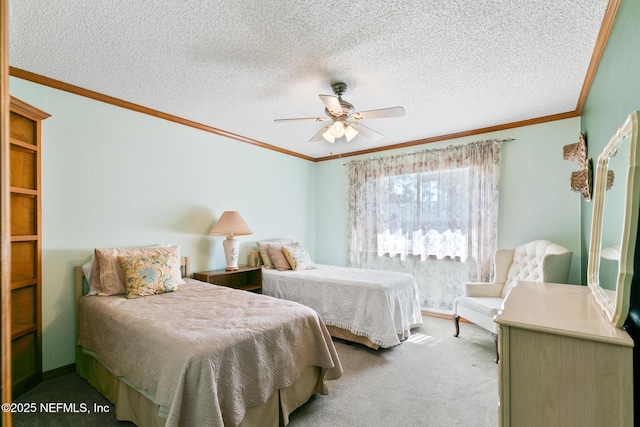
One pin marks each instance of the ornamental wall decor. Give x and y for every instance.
(581, 180)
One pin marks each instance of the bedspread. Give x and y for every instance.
(380, 305)
(205, 353)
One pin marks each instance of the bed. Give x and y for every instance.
(202, 355)
(371, 307)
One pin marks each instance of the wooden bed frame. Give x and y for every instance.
(132, 405)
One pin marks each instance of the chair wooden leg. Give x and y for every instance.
(495, 339)
(456, 321)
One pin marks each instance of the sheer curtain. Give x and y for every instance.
(431, 213)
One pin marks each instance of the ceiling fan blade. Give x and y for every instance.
(332, 103)
(303, 119)
(365, 131)
(379, 114)
(318, 136)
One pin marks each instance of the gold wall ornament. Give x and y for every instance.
(611, 175)
(577, 152)
(581, 180)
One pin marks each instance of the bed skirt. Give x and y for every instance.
(346, 335)
(132, 405)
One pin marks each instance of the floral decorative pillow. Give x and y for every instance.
(298, 257)
(107, 276)
(147, 275)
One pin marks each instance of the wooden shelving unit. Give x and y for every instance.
(26, 245)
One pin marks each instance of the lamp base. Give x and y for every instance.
(231, 268)
(231, 250)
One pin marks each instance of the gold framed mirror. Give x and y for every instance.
(614, 226)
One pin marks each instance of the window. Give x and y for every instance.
(414, 218)
(416, 212)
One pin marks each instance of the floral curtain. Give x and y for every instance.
(431, 213)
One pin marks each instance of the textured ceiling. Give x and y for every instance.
(454, 65)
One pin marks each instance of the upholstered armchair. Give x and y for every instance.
(537, 261)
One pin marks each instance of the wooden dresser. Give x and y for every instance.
(561, 362)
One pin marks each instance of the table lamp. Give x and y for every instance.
(231, 224)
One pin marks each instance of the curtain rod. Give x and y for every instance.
(483, 140)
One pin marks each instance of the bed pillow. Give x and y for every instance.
(146, 275)
(111, 277)
(277, 257)
(264, 245)
(298, 257)
(92, 274)
(88, 270)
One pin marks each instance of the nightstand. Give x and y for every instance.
(245, 278)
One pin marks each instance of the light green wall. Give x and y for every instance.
(93, 151)
(116, 178)
(614, 94)
(113, 177)
(535, 199)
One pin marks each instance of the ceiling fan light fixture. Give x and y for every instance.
(337, 129)
(329, 136)
(345, 121)
(350, 133)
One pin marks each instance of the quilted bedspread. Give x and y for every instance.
(380, 305)
(205, 353)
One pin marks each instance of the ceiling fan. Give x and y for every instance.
(345, 121)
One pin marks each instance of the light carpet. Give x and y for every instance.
(432, 379)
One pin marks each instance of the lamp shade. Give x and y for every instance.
(337, 129)
(350, 133)
(230, 224)
(329, 136)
